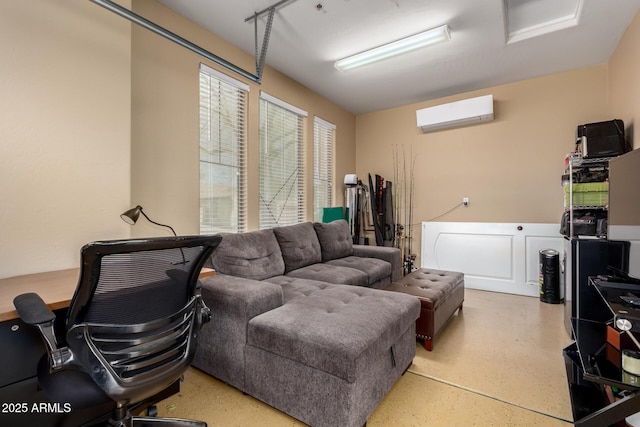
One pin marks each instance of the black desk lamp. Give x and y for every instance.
(131, 217)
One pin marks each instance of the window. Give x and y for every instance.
(223, 103)
(323, 137)
(281, 185)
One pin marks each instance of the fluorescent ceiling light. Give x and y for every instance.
(417, 41)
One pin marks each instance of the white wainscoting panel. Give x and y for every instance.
(501, 257)
(632, 234)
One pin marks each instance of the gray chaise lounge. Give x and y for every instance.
(296, 323)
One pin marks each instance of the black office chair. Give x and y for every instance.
(131, 328)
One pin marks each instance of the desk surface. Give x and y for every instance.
(54, 287)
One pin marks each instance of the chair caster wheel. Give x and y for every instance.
(152, 411)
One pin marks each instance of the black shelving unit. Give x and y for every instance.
(580, 171)
(592, 371)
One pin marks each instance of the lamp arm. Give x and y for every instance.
(184, 261)
(157, 223)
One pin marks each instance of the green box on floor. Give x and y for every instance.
(587, 194)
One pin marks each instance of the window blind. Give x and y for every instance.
(323, 138)
(281, 187)
(223, 104)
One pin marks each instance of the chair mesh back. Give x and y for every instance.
(141, 286)
(135, 314)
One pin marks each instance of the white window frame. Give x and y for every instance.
(324, 134)
(223, 144)
(281, 165)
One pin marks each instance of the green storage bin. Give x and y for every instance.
(333, 214)
(588, 194)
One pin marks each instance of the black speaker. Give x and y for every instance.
(602, 139)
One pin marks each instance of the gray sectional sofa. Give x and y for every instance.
(298, 323)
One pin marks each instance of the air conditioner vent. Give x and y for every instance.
(455, 114)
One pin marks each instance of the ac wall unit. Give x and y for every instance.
(454, 114)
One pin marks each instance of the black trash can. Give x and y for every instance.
(549, 276)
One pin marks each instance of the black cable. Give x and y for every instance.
(439, 216)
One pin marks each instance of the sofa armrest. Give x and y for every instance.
(233, 302)
(391, 255)
(237, 296)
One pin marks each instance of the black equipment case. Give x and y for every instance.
(602, 139)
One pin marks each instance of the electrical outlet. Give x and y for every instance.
(465, 201)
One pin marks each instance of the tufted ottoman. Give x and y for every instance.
(440, 293)
(331, 352)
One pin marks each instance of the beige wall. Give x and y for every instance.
(165, 178)
(624, 102)
(86, 98)
(64, 126)
(624, 81)
(510, 168)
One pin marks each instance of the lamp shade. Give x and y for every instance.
(132, 215)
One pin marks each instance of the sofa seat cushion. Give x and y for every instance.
(331, 273)
(299, 245)
(335, 329)
(294, 287)
(375, 269)
(254, 255)
(335, 239)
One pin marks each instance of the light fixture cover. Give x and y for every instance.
(398, 47)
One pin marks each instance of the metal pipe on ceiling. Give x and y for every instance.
(261, 55)
(269, 9)
(145, 23)
(260, 60)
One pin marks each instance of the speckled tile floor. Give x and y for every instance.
(498, 363)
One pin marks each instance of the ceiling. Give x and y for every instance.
(492, 42)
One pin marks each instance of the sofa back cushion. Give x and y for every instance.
(255, 255)
(335, 239)
(299, 245)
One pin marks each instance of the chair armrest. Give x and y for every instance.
(385, 253)
(241, 297)
(33, 311)
(205, 313)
